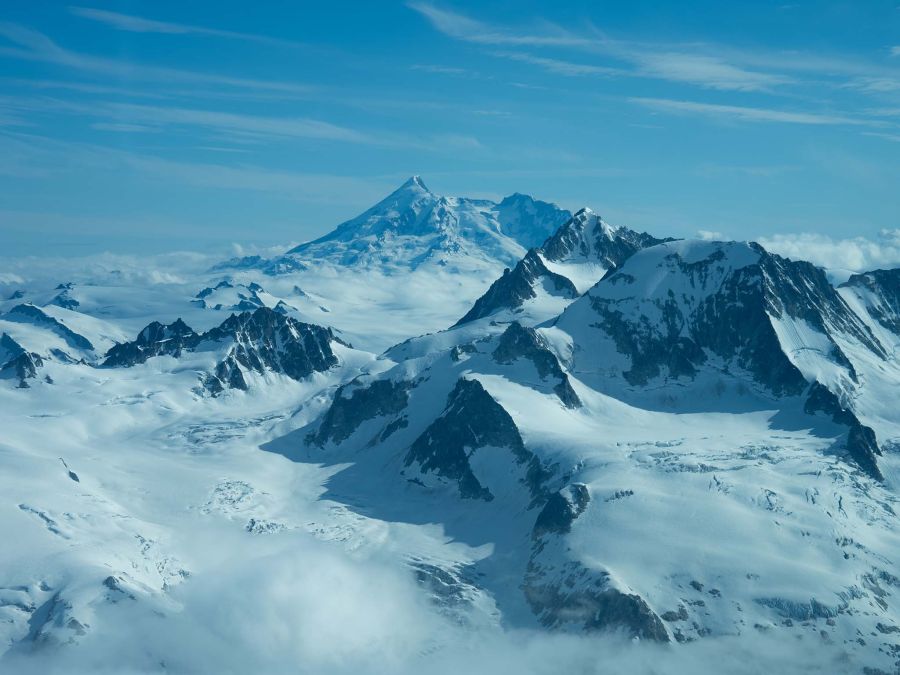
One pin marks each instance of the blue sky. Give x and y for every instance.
(153, 126)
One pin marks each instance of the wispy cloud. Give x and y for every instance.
(137, 24)
(895, 138)
(231, 127)
(28, 155)
(295, 127)
(876, 84)
(464, 28)
(749, 114)
(123, 127)
(704, 70)
(895, 51)
(442, 70)
(35, 46)
(560, 66)
(637, 59)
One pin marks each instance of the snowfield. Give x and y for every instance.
(381, 452)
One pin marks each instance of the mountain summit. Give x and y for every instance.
(413, 226)
(569, 262)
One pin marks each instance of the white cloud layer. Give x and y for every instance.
(303, 606)
(138, 24)
(841, 257)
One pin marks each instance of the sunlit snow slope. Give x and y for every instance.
(631, 454)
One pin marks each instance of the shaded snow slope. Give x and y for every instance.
(548, 278)
(668, 454)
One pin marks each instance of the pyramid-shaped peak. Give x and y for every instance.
(414, 183)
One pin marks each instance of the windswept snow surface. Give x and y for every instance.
(668, 469)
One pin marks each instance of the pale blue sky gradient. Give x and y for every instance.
(153, 126)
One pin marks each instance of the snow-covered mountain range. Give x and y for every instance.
(512, 417)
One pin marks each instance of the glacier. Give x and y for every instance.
(452, 433)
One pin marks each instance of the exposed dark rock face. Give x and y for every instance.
(228, 375)
(65, 300)
(516, 286)
(564, 592)
(471, 422)
(267, 340)
(354, 404)
(24, 367)
(731, 319)
(9, 349)
(883, 301)
(862, 445)
(801, 290)
(206, 292)
(583, 237)
(16, 361)
(28, 313)
(561, 510)
(594, 608)
(156, 339)
(262, 340)
(524, 342)
(247, 297)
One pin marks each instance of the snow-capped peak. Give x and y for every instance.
(592, 221)
(413, 225)
(414, 183)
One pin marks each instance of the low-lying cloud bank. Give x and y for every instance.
(841, 257)
(299, 605)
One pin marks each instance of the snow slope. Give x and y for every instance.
(551, 276)
(413, 226)
(687, 462)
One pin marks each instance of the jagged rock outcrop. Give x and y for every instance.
(518, 342)
(64, 299)
(518, 285)
(861, 444)
(561, 510)
(472, 422)
(584, 246)
(228, 296)
(261, 341)
(16, 361)
(588, 237)
(880, 293)
(676, 305)
(268, 340)
(156, 339)
(563, 592)
(355, 404)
